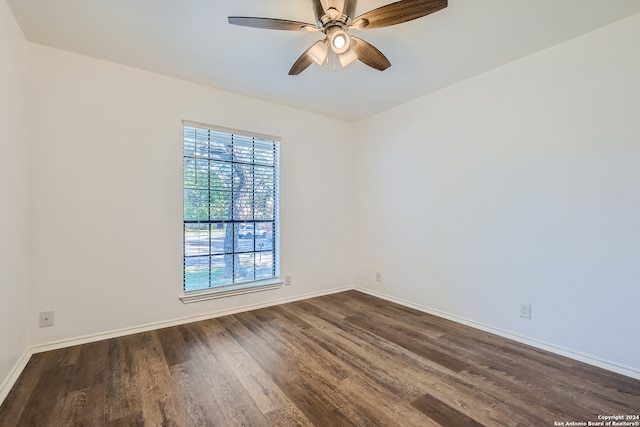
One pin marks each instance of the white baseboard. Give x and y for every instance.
(552, 348)
(11, 379)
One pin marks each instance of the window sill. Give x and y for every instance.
(228, 291)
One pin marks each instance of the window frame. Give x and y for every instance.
(245, 286)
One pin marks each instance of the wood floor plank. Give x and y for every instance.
(290, 347)
(386, 410)
(365, 353)
(347, 359)
(260, 350)
(410, 340)
(48, 391)
(315, 403)
(443, 413)
(121, 380)
(190, 385)
(157, 392)
(221, 385)
(70, 410)
(271, 400)
(174, 344)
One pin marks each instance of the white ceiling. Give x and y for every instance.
(191, 40)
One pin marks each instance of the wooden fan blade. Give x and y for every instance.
(271, 23)
(397, 13)
(302, 63)
(368, 54)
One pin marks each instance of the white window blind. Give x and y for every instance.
(231, 223)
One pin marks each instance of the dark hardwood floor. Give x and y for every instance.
(344, 359)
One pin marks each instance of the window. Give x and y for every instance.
(231, 225)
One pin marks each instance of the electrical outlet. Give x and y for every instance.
(46, 319)
(378, 276)
(287, 280)
(525, 311)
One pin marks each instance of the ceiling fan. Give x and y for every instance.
(335, 18)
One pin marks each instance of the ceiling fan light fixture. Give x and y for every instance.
(348, 57)
(339, 40)
(319, 52)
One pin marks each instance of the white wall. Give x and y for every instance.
(14, 193)
(520, 185)
(107, 197)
